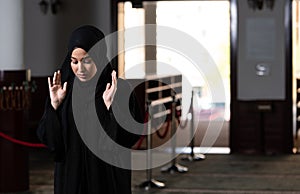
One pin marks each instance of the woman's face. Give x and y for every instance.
(82, 65)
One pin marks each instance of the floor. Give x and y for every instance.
(231, 174)
(217, 173)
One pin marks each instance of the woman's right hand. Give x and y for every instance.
(56, 90)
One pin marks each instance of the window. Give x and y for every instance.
(208, 22)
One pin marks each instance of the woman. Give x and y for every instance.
(78, 169)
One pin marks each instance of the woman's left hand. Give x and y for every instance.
(110, 91)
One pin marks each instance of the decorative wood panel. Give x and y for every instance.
(261, 124)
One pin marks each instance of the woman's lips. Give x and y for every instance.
(83, 76)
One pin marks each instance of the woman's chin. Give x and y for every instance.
(83, 78)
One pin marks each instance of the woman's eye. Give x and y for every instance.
(87, 60)
(75, 62)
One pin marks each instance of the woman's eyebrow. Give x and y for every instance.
(87, 56)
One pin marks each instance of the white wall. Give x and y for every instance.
(46, 36)
(11, 35)
(39, 39)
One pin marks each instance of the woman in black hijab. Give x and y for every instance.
(86, 81)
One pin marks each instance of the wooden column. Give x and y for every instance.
(14, 103)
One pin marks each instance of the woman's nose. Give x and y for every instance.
(80, 66)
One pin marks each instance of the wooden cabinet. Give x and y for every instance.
(261, 127)
(160, 91)
(14, 158)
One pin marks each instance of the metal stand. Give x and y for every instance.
(150, 182)
(192, 156)
(174, 167)
(147, 185)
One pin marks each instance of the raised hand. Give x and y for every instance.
(110, 91)
(56, 90)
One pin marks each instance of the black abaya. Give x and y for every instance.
(77, 168)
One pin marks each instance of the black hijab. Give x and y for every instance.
(91, 39)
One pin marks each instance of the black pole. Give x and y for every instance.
(150, 182)
(174, 166)
(192, 156)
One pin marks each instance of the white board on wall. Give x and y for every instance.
(261, 53)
